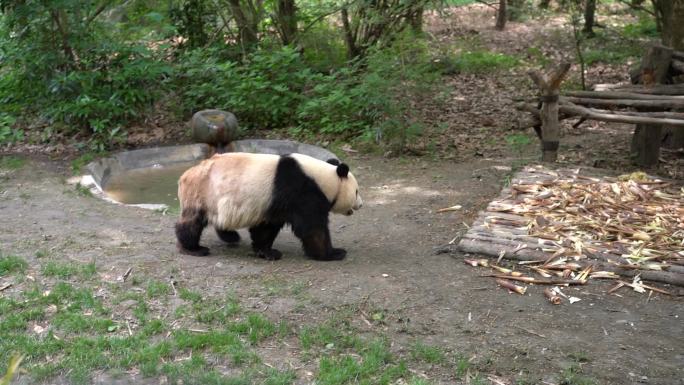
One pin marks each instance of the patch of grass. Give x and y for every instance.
(156, 289)
(462, 366)
(481, 61)
(12, 162)
(427, 353)
(216, 311)
(80, 162)
(12, 264)
(68, 270)
(83, 338)
(573, 376)
(83, 190)
(276, 377)
(189, 295)
(374, 366)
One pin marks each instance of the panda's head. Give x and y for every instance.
(347, 198)
(334, 180)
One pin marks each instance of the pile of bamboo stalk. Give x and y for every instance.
(626, 226)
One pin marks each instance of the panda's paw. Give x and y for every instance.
(337, 254)
(269, 255)
(228, 236)
(200, 251)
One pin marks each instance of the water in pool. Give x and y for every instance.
(148, 185)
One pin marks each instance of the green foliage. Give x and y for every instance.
(9, 134)
(426, 353)
(645, 27)
(12, 264)
(69, 71)
(462, 366)
(263, 91)
(373, 98)
(483, 61)
(67, 270)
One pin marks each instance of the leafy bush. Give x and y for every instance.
(103, 100)
(373, 99)
(645, 27)
(263, 91)
(87, 81)
(9, 134)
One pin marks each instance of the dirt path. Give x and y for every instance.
(395, 267)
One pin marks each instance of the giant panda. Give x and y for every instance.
(263, 192)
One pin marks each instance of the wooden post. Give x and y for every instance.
(549, 92)
(647, 137)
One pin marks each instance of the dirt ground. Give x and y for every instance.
(399, 262)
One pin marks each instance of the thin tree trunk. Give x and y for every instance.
(287, 20)
(353, 50)
(247, 29)
(501, 17)
(60, 19)
(589, 15)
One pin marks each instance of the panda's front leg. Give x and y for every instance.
(316, 240)
(263, 236)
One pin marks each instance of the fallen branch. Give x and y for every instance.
(621, 95)
(538, 281)
(588, 113)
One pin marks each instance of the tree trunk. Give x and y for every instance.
(589, 14)
(247, 26)
(544, 4)
(671, 15)
(286, 15)
(648, 137)
(501, 17)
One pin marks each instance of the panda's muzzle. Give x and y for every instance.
(350, 212)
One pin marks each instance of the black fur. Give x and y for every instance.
(298, 201)
(189, 230)
(333, 161)
(342, 170)
(228, 236)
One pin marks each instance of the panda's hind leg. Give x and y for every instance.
(189, 231)
(228, 236)
(263, 236)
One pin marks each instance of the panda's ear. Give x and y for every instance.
(333, 161)
(342, 170)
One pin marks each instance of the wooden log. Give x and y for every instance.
(588, 113)
(678, 66)
(633, 103)
(658, 89)
(621, 95)
(549, 91)
(479, 247)
(678, 55)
